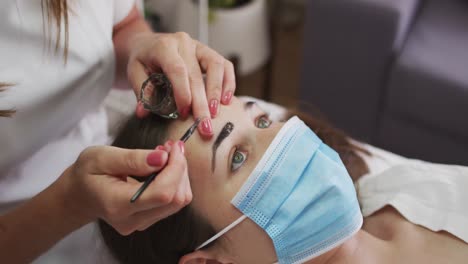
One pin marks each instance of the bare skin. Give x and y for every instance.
(82, 193)
(386, 236)
(415, 244)
(139, 51)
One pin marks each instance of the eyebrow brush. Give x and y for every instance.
(150, 178)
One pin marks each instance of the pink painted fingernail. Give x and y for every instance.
(160, 148)
(154, 159)
(170, 142)
(182, 146)
(227, 98)
(214, 107)
(206, 126)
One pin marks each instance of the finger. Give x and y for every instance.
(210, 58)
(141, 111)
(200, 110)
(229, 82)
(178, 76)
(111, 165)
(153, 215)
(188, 190)
(145, 219)
(163, 189)
(185, 188)
(117, 161)
(213, 64)
(181, 195)
(168, 145)
(137, 75)
(197, 87)
(166, 56)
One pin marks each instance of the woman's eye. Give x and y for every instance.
(263, 122)
(237, 160)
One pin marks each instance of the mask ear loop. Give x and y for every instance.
(222, 232)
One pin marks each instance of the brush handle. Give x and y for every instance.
(143, 187)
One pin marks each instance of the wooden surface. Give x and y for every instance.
(281, 78)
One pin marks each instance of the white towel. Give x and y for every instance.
(431, 195)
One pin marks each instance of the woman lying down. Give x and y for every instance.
(283, 192)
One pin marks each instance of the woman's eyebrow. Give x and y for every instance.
(225, 132)
(248, 105)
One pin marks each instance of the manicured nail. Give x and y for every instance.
(160, 148)
(206, 126)
(182, 147)
(227, 98)
(214, 107)
(154, 159)
(139, 106)
(170, 142)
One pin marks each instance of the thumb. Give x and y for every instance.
(137, 75)
(119, 161)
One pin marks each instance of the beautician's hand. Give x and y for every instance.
(183, 60)
(97, 185)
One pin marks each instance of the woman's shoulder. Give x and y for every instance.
(415, 242)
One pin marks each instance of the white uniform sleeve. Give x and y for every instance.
(121, 9)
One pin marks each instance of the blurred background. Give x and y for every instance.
(393, 73)
(263, 38)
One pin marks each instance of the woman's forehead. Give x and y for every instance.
(178, 128)
(231, 112)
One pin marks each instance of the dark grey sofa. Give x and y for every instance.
(393, 73)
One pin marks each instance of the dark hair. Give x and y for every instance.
(169, 239)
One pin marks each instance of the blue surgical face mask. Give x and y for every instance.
(301, 194)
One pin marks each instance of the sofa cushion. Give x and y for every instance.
(413, 140)
(429, 81)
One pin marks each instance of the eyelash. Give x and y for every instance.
(234, 166)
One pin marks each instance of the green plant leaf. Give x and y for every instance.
(221, 3)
